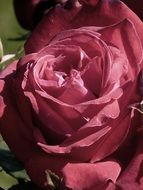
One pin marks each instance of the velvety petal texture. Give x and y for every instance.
(72, 103)
(60, 19)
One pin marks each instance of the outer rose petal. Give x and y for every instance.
(10, 68)
(60, 19)
(19, 133)
(11, 120)
(90, 176)
(132, 177)
(54, 21)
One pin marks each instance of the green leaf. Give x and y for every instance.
(53, 181)
(8, 161)
(10, 30)
(3, 144)
(22, 174)
(1, 50)
(6, 181)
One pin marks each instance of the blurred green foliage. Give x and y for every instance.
(6, 180)
(11, 33)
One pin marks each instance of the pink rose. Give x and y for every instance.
(67, 106)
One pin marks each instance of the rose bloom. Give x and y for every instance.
(69, 105)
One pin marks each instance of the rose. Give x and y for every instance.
(30, 12)
(68, 107)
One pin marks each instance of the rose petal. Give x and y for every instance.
(75, 18)
(54, 24)
(90, 176)
(78, 148)
(126, 32)
(133, 174)
(16, 129)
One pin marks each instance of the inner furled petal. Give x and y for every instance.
(75, 91)
(89, 41)
(119, 66)
(61, 77)
(74, 58)
(53, 122)
(92, 76)
(52, 71)
(45, 76)
(44, 68)
(116, 71)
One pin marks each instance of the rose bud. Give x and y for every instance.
(65, 107)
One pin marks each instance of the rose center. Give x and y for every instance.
(63, 76)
